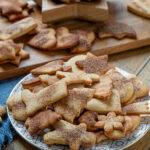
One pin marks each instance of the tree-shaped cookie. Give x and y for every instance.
(41, 121)
(73, 105)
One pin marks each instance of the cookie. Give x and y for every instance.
(13, 99)
(73, 78)
(136, 121)
(85, 41)
(68, 134)
(72, 106)
(23, 14)
(100, 136)
(8, 7)
(115, 29)
(17, 106)
(78, 85)
(45, 39)
(20, 56)
(140, 89)
(41, 121)
(43, 98)
(49, 68)
(37, 89)
(131, 122)
(19, 111)
(122, 84)
(94, 64)
(137, 108)
(18, 29)
(8, 50)
(139, 7)
(72, 62)
(40, 26)
(89, 118)
(116, 135)
(110, 122)
(103, 89)
(31, 83)
(65, 39)
(48, 80)
(104, 107)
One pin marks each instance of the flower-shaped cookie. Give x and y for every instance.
(110, 122)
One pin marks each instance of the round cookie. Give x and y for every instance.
(122, 84)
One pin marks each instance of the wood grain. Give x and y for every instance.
(118, 11)
(136, 62)
(95, 11)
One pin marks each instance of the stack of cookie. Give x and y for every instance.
(78, 41)
(11, 52)
(15, 9)
(84, 101)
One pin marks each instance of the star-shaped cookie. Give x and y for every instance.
(94, 64)
(12, 6)
(8, 50)
(68, 134)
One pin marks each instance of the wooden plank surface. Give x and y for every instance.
(136, 62)
(118, 11)
(95, 11)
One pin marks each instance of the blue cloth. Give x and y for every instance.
(6, 130)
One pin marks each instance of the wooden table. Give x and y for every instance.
(137, 62)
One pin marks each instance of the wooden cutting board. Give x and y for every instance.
(118, 11)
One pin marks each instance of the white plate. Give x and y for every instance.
(37, 139)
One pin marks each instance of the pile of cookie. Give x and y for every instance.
(11, 52)
(15, 9)
(55, 39)
(83, 101)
